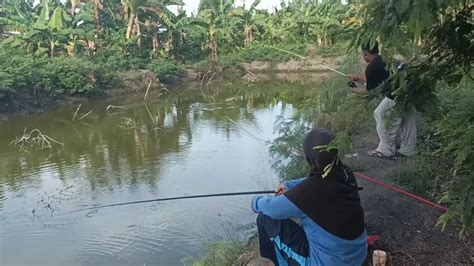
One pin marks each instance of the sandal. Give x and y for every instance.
(377, 154)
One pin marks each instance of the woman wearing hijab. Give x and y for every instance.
(327, 202)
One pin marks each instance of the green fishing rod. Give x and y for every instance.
(177, 198)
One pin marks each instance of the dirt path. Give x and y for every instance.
(407, 228)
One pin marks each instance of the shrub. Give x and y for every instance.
(164, 69)
(25, 75)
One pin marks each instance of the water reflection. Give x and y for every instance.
(187, 141)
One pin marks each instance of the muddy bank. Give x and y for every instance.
(317, 64)
(313, 70)
(129, 82)
(293, 77)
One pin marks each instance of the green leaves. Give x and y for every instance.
(44, 15)
(254, 5)
(173, 2)
(199, 22)
(56, 21)
(43, 76)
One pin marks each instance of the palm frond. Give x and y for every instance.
(254, 5)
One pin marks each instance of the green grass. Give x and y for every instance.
(224, 253)
(423, 175)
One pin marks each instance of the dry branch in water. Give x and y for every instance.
(75, 113)
(147, 89)
(209, 81)
(114, 106)
(88, 113)
(35, 138)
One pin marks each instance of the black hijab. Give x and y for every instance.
(332, 201)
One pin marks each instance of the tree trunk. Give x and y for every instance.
(126, 13)
(380, 44)
(155, 41)
(320, 40)
(74, 4)
(251, 37)
(182, 38)
(169, 45)
(131, 24)
(97, 8)
(138, 32)
(213, 50)
(51, 49)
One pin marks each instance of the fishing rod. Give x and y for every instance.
(351, 83)
(305, 58)
(176, 198)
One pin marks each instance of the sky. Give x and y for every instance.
(192, 5)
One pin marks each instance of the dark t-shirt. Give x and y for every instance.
(376, 73)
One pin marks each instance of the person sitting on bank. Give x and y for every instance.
(388, 127)
(328, 206)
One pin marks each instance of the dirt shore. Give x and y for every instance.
(129, 82)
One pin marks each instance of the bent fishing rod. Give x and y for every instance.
(177, 198)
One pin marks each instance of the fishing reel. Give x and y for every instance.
(352, 84)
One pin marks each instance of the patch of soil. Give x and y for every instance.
(258, 66)
(129, 82)
(191, 75)
(407, 228)
(135, 81)
(26, 104)
(292, 77)
(317, 64)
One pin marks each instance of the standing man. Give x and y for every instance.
(388, 128)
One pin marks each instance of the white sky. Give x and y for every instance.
(192, 5)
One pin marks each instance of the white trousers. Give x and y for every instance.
(389, 128)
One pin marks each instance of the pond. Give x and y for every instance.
(189, 141)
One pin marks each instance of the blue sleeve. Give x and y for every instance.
(290, 184)
(279, 207)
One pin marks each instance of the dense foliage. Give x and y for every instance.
(105, 37)
(438, 80)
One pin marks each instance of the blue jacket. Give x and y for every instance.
(325, 248)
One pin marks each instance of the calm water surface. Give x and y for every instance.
(189, 141)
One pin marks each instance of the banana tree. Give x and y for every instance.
(176, 27)
(74, 5)
(252, 20)
(305, 15)
(45, 35)
(136, 8)
(329, 17)
(98, 7)
(280, 27)
(17, 15)
(216, 22)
